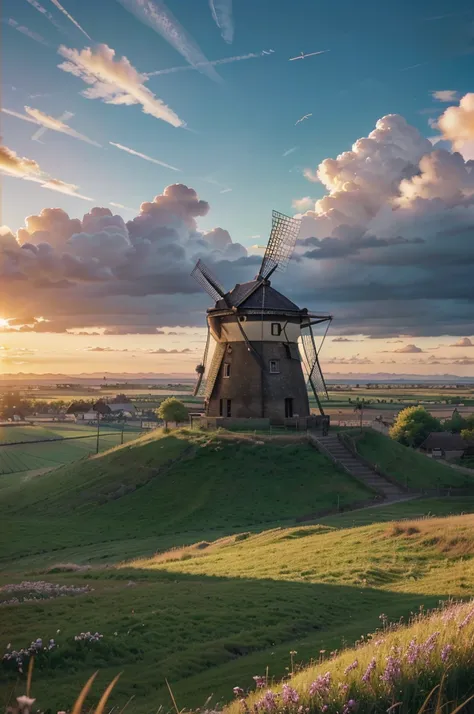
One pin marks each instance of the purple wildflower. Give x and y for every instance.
(324, 708)
(238, 691)
(289, 695)
(260, 682)
(377, 643)
(445, 652)
(413, 651)
(349, 706)
(466, 620)
(352, 666)
(369, 671)
(320, 685)
(343, 687)
(430, 644)
(392, 670)
(268, 702)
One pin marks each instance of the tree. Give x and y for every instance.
(359, 407)
(413, 425)
(468, 435)
(456, 424)
(172, 409)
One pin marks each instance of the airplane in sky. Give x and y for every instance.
(308, 54)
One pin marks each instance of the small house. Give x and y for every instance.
(444, 445)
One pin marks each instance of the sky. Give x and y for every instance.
(140, 135)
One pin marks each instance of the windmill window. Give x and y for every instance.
(289, 408)
(229, 408)
(276, 329)
(226, 369)
(274, 366)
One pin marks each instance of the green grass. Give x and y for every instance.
(407, 466)
(212, 615)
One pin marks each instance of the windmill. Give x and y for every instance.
(262, 342)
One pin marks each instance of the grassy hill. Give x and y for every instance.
(254, 586)
(407, 466)
(171, 489)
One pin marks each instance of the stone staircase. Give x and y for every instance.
(337, 452)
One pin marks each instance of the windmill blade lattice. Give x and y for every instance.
(313, 368)
(281, 243)
(217, 358)
(204, 276)
(201, 368)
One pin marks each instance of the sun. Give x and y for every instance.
(3, 322)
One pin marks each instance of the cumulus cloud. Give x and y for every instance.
(29, 170)
(445, 95)
(36, 116)
(99, 271)
(457, 126)
(409, 349)
(303, 204)
(143, 156)
(222, 15)
(114, 81)
(159, 17)
(463, 342)
(342, 339)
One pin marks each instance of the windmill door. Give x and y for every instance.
(288, 408)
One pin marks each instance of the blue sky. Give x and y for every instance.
(244, 125)
(387, 240)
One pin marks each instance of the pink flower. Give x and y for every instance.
(289, 695)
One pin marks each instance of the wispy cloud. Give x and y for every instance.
(46, 14)
(143, 156)
(125, 208)
(36, 116)
(303, 204)
(222, 15)
(211, 63)
(289, 151)
(57, 4)
(114, 81)
(26, 31)
(445, 95)
(157, 15)
(29, 170)
(303, 118)
(226, 190)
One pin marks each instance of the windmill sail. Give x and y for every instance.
(281, 243)
(201, 368)
(208, 281)
(217, 358)
(313, 368)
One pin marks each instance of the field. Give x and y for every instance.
(256, 583)
(62, 443)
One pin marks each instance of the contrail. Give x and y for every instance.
(156, 15)
(45, 13)
(222, 15)
(306, 116)
(143, 156)
(225, 60)
(309, 54)
(69, 17)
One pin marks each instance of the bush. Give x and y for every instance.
(413, 425)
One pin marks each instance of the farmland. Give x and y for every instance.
(197, 570)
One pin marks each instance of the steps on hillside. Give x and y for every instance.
(336, 450)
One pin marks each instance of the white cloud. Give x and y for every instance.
(463, 342)
(303, 204)
(125, 208)
(211, 63)
(143, 156)
(159, 17)
(70, 17)
(409, 349)
(36, 116)
(289, 151)
(45, 13)
(29, 170)
(225, 190)
(222, 15)
(114, 81)
(26, 31)
(445, 95)
(457, 126)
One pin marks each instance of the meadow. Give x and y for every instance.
(186, 551)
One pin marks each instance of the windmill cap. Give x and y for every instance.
(256, 295)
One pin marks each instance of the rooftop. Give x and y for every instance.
(256, 295)
(444, 440)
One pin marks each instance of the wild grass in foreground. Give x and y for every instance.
(395, 669)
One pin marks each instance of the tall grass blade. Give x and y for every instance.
(126, 704)
(172, 697)
(77, 708)
(31, 664)
(425, 703)
(103, 700)
(461, 706)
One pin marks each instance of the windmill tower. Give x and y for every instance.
(263, 340)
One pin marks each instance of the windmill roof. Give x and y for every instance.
(260, 296)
